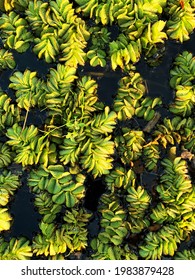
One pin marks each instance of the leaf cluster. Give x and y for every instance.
(182, 77)
(56, 241)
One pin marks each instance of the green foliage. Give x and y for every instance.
(59, 84)
(15, 249)
(184, 101)
(146, 108)
(130, 91)
(9, 113)
(5, 155)
(151, 154)
(8, 5)
(52, 241)
(47, 46)
(73, 48)
(175, 211)
(100, 38)
(6, 60)
(181, 21)
(97, 57)
(107, 244)
(9, 183)
(139, 201)
(175, 184)
(82, 137)
(123, 52)
(76, 227)
(59, 32)
(71, 236)
(33, 16)
(29, 89)
(162, 242)
(14, 32)
(120, 178)
(5, 219)
(57, 186)
(153, 35)
(182, 77)
(97, 156)
(27, 144)
(185, 255)
(108, 252)
(86, 142)
(176, 131)
(183, 70)
(129, 145)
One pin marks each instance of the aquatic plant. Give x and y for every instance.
(185, 255)
(152, 36)
(26, 143)
(29, 89)
(59, 31)
(138, 202)
(119, 177)
(162, 242)
(129, 144)
(6, 60)
(122, 51)
(14, 32)
(89, 143)
(9, 184)
(58, 91)
(5, 219)
(5, 155)
(176, 176)
(106, 245)
(176, 131)
(15, 249)
(183, 70)
(8, 5)
(60, 186)
(130, 91)
(146, 107)
(81, 140)
(72, 236)
(100, 38)
(184, 101)
(9, 112)
(182, 77)
(151, 155)
(181, 20)
(175, 212)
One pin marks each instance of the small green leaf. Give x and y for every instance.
(59, 198)
(70, 199)
(53, 186)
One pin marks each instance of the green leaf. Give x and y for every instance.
(117, 240)
(57, 171)
(70, 199)
(59, 198)
(53, 186)
(111, 253)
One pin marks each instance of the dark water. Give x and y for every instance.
(25, 217)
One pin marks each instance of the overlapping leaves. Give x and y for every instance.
(70, 237)
(59, 185)
(29, 89)
(15, 249)
(15, 32)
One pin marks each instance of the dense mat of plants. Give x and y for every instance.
(83, 140)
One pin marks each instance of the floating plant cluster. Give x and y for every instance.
(83, 140)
